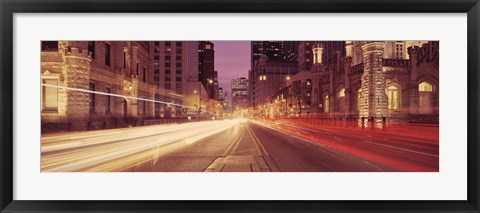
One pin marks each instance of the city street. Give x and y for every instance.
(236, 146)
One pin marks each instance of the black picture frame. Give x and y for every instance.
(10, 7)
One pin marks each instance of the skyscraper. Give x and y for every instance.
(206, 66)
(273, 49)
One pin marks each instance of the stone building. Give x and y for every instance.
(265, 77)
(394, 79)
(104, 84)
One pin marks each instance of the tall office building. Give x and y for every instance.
(206, 66)
(215, 85)
(305, 55)
(273, 49)
(332, 51)
(174, 63)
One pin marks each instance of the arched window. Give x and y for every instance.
(425, 87)
(425, 93)
(341, 100)
(327, 104)
(393, 97)
(341, 93)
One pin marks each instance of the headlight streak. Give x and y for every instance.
(91, 155)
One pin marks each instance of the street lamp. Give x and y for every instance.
(196, 99)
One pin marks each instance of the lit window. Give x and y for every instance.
(425, 87)
(392, 93)
(327, 104)
(341, 93)
(50, 95)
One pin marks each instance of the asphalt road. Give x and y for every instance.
(234, 146)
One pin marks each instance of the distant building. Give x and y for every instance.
(240, 97)
(220, 94)
(215, 85)
(290, 51)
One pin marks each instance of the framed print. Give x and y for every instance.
(185, 106)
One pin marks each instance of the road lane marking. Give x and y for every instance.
(255, 138)
(235, 143)
(254, 142)
(407, 150)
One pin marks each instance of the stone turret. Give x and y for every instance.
(373, 101)
(77, 66)
(413, 88)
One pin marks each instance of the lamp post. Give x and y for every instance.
(196, 99)
(199, 97)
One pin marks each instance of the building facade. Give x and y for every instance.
(206, 66)
(266, 76)
(107, 84)
(397, 80)
(240, 99)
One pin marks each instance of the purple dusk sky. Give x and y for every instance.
(232, 60)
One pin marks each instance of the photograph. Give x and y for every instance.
(239, 106)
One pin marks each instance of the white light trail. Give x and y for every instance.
(115, 95)
(123, 148)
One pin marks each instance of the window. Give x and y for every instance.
(136, 70)
(392, 94)
(179, 78)
(50, 46)
(341, 100)
(144, 75)
(167, 72)
(425, 87)
(178, 44)
(167, 58)
(179, 64)
(167, 43)
(178, 57)
(167, 64)
(327, 104)
(108, 90)
(91, 48)
(341, 93)
(167, 78)
(156, 71)
(178, 71)
(156, 50)
(92, 97)
(50, 95)
(156, 43)
(156, 57)
(107, 54)
(144, 107)
(124, 59)
(425, 102)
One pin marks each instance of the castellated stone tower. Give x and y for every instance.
(373, 101)
(77, 65)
